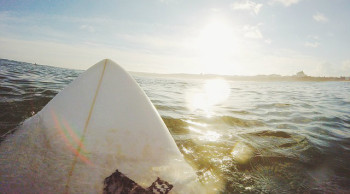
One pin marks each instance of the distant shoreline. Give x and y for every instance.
(300, 76)
(245, 78)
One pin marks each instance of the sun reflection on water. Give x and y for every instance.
(205, 135)
(210, 136)
(204, 102)
(213, 92)
(196, 123)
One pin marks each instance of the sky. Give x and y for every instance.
(230, 37)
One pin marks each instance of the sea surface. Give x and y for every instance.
(241, 137)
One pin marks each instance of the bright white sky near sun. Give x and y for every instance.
(243, 37)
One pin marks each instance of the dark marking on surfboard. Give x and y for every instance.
(118, 183)
(160, 187)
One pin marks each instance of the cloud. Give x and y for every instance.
(247, 5)
(268, 41)
(143, 49)
(286, 3)
(159, 43)
(83, 55)
(276, 61)
(252, 32)
(312, 44)
(319, 17)
(214, 9)
(123, 34)
(87, 27)
(315, 37)
(313, 41)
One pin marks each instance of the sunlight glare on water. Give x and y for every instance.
(212, 93)
(210, 136)
(204, 99)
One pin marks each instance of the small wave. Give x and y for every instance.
(241, 112)
(232, 121)
(333, 121)
(273, 105)
(168, 108)
(286, 126)
(176, 126)
(281, 134)
(301, 120)
(279, 113)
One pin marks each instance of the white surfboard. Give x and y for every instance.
(100, 123)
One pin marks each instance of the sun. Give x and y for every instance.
(215, 45)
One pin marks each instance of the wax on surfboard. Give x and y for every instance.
(100, 123)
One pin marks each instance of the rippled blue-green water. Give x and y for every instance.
(241, 137)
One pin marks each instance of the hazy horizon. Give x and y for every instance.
(244, 37)
(195, 75)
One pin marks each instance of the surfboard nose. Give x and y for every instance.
(104, 63)
(108, 61)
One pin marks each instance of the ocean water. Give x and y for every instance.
(241, 137)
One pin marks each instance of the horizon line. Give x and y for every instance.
(199, 74)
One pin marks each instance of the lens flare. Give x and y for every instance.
(241, 153)
(70, 138)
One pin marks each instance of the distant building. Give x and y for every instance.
(301, 74)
